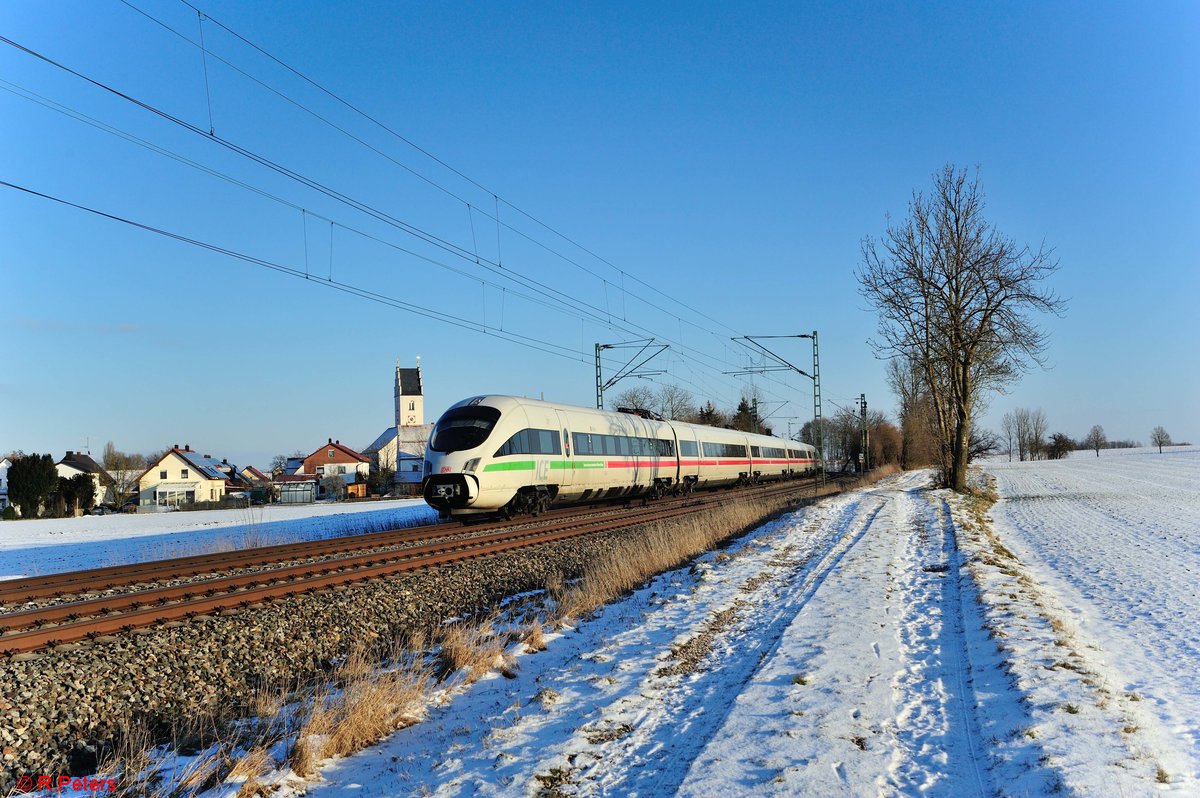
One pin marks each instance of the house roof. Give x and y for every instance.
(84, 463)
(332, 444)
(256, 474)
(210, 467)
(407, 445)
(81, 462)
(386, 437)
(296, 478)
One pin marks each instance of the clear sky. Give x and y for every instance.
(691, 171)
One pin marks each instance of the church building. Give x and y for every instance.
(402, 447)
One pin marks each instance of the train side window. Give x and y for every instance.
(547, 441)
(582, 442)
(687, 448)
(514, 445)
(724, 450)
(531, 441)
(754, 451)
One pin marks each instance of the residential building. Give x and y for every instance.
(183, 476)
(253, 477)
(75, 463)
(334, 459)
(5, 463)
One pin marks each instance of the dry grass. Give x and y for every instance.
(252, 764)
(659, 548)
(534, 637)
(474, 649)
(370, 705)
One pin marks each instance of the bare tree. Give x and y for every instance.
(983, 443)
(1160, 438)
(1096, 439)
(640, 398)
(955, 297)
(1008, 428)
(675, 402)
(1035, 434)
(124, 470)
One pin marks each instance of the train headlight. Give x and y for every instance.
(471, 465)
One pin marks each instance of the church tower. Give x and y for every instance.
(410, 404)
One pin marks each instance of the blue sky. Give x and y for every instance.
(714, 167)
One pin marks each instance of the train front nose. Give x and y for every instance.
(450, 491)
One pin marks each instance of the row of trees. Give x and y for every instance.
(676, 404)
(841, 434)
(1024, 434)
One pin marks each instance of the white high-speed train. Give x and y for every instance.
(510, 455)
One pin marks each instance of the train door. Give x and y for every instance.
(565, 475)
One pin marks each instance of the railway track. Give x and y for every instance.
(164, 591)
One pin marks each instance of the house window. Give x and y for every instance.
(183, 473)
(320, 470)
(331, 454)
(341, 469)
(162, 474)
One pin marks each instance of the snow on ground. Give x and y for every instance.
(888, 641)
(882, 642)
(52, 545)
(1112, 549)
(830, 652)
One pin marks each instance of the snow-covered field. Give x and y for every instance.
(43, 546)
(889, 641)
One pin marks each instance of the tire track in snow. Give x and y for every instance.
(694, 709)
(938, 745)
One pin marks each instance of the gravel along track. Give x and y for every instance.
(197, 668)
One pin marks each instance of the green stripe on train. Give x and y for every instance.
(520, 465)
(530, 465)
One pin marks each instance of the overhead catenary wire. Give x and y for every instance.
(547, 291)
(27, 94)
(538, 287)
(375, 296)
(496, 198)
(400, 137)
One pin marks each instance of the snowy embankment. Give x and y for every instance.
(42, 546)
(881, 642)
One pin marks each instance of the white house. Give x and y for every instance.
(75, 463)
(5, 463)
(183, 476)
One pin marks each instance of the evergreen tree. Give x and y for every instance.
(31, 480)
(743, 417)
(710, 416)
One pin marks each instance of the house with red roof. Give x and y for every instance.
(334, 459)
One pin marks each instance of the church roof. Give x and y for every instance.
(410, 382)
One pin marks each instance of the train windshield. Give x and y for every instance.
(463, 428)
